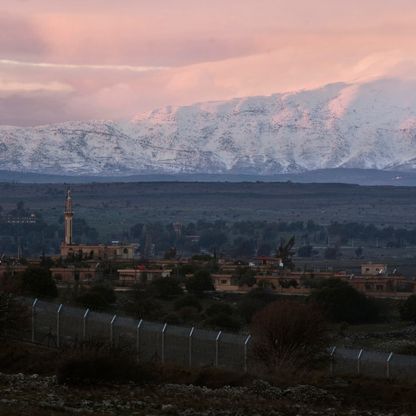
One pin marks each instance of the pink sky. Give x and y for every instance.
(106, 59)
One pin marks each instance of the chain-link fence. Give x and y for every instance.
(56, 325)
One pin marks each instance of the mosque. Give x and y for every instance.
(90, 251)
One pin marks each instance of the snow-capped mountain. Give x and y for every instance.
(363, 125)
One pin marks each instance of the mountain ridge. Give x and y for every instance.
(368, 125)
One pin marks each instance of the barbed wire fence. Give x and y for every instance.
(57, 325)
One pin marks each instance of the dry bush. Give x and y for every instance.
(17, 357)
(289, 335)
(91, 367)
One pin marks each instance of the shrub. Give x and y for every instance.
(342, 303)
(223, 321)
(98, 297)
(140, 303)
(188, 314)
(166, 288)
(408, 309)
(38, 282)
(219, 308)
(89, 367)
(13, 315)
(289, 334)
(172, 318)
(199, 283)
(17, 357)
(188, 301)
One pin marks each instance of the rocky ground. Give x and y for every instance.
(400, 341)
(29, 387)
(41, 395)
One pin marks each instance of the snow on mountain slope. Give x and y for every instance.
(366, 125)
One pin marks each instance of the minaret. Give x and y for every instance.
(68, 218)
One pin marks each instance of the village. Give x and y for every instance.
(83, 264)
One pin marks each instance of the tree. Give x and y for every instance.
(213, 239)
(264, 250)
(246, 276)
(170, 253)
(38, 282)
(285, 253)
(359, 252)
(253, 301)
(305, 251)
(199, 282)
(342, 303)
(244, 248)
(331, 253)
(289, 334)
(408, 309)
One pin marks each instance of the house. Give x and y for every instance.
(225, 283)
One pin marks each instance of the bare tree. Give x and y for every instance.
(289, 334)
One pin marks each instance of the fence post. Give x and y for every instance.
(112, 330)
(34, 319)
(84, 324)
(331, 361)
(388, 365)
(139, 325)
(190, 345)
(359, 361)
(163, 341)
(58, 326)
(247, 340)
(217, 342)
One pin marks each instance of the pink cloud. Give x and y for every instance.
(101, 56)
(19, 37)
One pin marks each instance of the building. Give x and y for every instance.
(73, 274)
(374, 269)
(11, 270)
(226, 283)
(130, 277)
(384, 286)
(114, 251)
(29, 219)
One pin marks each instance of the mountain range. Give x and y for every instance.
(363, 125)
